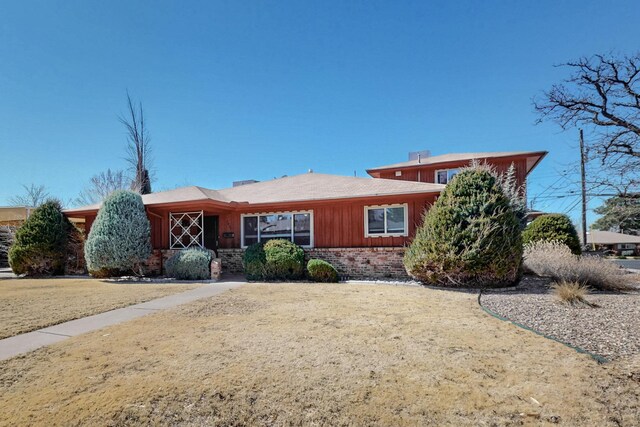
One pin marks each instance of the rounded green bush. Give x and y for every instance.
(285, 260)
(470, 237)
(553, 227)
(41, 242)
(254, 262)
(321, 271)
(120, 239)
(190, 264)
(277, 259)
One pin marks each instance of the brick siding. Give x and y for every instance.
(363, 263)
(351, 263)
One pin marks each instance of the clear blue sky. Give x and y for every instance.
(252, 90)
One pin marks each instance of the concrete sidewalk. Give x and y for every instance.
(14, 346)
(6, 273)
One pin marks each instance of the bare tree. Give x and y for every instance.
(33, 196)
(602, 94)
(101, 186)
(138, 148)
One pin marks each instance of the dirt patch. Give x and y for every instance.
(317, 355)
(30, 304)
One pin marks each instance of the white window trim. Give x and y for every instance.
(406, 220)
(292, 213)
(435, 176)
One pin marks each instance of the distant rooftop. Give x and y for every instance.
(533, 157)
(610, 238)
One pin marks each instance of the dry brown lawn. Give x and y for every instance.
(30, 304)
(318, 355)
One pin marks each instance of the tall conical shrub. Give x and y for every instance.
(119, 239)
(40, 243)
(470, 237)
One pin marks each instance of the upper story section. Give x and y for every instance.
(440, 169)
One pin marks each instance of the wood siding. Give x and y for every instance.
(427, 173)
(336, 223)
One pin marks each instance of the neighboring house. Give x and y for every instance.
(361, 225)
(618, 243)
(14, 215)
(533, 214)
(11, 217)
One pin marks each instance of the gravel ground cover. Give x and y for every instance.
(611, 330)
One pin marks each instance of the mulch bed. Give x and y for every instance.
(611, 330)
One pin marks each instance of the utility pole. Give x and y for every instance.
(584, 190)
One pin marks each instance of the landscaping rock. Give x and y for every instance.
(610, 330)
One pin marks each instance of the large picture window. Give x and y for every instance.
(381, 221)
(294, 226)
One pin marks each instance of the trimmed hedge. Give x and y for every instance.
(40, 244)
(321, 271)
(190, 264)
(285, 260)
(553, 228)
(120, 239)
(277, 259)
(470, 237)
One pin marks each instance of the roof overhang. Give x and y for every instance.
(533, 159)
(214, 205)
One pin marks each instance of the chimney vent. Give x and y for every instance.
(419, 155)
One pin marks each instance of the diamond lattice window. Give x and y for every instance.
(186, 230)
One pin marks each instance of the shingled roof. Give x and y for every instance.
(533, 156)
(297, 188)
(610, 238)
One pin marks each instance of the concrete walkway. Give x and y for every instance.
(14, 346)
(6, 273)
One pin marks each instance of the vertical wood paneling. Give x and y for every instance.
(427, 172)
(337, 224)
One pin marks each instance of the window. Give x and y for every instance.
(186, 230)
(294, 226)
(443, 176)
(385, 221)
(626, 246)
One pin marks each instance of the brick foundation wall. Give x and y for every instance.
(363, 263)
(351, 263)
(231, 260)
(154, 266)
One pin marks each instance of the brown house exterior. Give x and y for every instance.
(432, 168)
(360, 225)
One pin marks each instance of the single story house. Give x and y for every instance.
(360, 225)
(14, 216)
(617, 243)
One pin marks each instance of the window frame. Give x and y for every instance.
(435, 176)
(405, 206)
(291, 213)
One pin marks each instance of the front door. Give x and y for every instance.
(211, 232)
